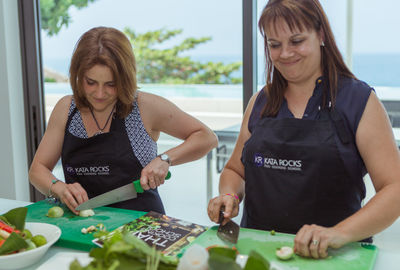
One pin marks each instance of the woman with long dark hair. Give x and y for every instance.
(307, 140)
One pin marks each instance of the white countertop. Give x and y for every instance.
(388, 243)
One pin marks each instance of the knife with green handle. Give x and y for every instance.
(120, 194)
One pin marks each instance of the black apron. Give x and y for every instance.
(104, 162)
(294, 174)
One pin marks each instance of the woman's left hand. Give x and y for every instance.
(153, 175)
(313, 241)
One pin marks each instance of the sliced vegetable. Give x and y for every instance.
(101, 227)
(4, 234)
(7, 228)
(284, 253)
(86, 213)
(89, 229)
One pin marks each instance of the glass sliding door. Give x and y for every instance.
(377, 51)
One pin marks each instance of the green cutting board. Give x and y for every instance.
(354, 256)
(71, 224)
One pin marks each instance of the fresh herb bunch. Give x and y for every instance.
(125, 251)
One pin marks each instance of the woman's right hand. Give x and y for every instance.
(71, 195)
(231, 207)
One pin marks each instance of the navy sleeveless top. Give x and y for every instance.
(352, 97)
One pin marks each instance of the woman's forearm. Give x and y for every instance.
(40, 177)
(379, 213)
(231, 182)
(197, 145)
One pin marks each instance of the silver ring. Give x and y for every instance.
(315, 242)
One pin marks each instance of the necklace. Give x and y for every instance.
(97, 123)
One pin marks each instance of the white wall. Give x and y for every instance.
(13, 153)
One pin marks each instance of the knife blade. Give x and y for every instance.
(120, 194)
(228, 232)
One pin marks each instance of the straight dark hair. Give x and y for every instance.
(300, 14)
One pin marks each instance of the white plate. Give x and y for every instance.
(26, 258)
(62, 260)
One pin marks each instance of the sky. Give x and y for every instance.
(375, 24)
(220, 19)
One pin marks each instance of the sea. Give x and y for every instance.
(378, 70)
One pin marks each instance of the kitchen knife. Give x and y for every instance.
(120, 194)
(228, 232)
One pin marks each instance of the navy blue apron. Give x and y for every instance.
(104, 162)
(294, 174)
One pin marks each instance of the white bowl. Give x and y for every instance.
(29, 257)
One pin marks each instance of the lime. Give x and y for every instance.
(26, 234)
(31, 245)
(39, 240)
(55, 212)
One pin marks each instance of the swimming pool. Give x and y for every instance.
(228, 91)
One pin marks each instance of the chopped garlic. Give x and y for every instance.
(88, 229)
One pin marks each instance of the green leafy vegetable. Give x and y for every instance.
(225, 258)
(5, 220)
(13, 243)
(256, 262)
(222, 258)
(16, 217)
(218, 261)
(125, 251)
(223, 251)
